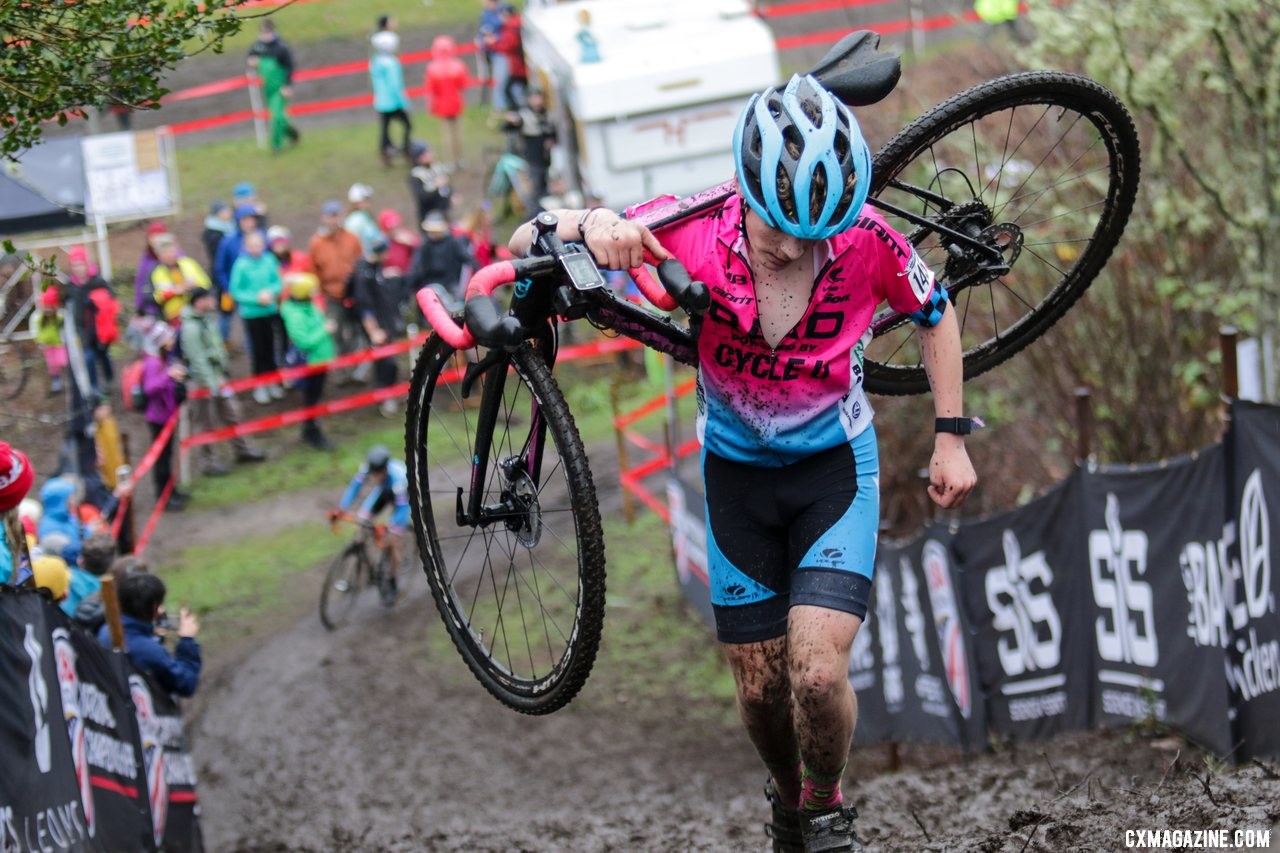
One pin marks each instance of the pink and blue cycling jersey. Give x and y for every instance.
(768, 406)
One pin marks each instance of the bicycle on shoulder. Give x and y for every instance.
(1015, 192)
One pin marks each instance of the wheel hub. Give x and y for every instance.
(524, 512)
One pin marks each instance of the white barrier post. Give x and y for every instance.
(256, 105)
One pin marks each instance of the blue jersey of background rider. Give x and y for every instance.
(392, 490)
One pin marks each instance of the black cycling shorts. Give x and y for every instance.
(803, 533)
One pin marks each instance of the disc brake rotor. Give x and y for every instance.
(525, 518)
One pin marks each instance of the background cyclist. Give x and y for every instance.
(796, 267)
(389, 488)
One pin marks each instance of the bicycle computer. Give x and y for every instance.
(582, 270)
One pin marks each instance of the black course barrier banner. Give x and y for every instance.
(954, 637)
(40, 802)
(104, 737)
(170, 770)
(1024, 587)
(1152, 535)
(1246, 609)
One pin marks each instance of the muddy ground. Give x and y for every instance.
(376, 738)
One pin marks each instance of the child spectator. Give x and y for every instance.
(61, 497)
(86, 574)
(389, 97)
(440, 261)
(428, 182)
(143, 301)
(94, 310)
(359, 220)
(247, 222)
(16, 477)
(52, 575)
(255, 285)
(378, 300)
(334, 251)
(217, 224)
(478, 229)
(280, 242)
(47, 326)
(141, 608)
(206, 357)
(164, 386)
(401, 243)
(311, 333)
(173, 278)
(445, 81)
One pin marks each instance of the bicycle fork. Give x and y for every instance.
(521, 472)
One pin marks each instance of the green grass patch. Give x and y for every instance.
(309, 23)
(324, 166)
(237, 581)
(655, 644)
(295, 468)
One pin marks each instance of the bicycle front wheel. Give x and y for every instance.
(1042, 166)
(341, 586)
(521, 592)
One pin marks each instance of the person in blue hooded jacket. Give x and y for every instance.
(141, 610)
(389, 97)
(61, 499)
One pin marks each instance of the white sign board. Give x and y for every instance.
(130, 175)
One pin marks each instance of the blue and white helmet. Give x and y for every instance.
(802, 163)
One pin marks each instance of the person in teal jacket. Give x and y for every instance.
(389, 97)
(255, 285)
(312, 333)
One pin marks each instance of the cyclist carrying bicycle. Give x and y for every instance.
(390, 487)
(796, 268)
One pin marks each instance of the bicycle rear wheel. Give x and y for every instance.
(342, 585)
(522, 595)
(1043, 166)
(16, 362)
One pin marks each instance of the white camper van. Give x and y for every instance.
(656, 113)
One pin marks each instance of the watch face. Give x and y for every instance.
(582, 271)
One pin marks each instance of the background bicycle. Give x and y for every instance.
(365, 563)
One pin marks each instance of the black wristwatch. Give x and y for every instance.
(957, 426)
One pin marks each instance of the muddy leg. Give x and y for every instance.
(764, 703)
(825, 706)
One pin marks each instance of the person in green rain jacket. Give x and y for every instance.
(311, 332)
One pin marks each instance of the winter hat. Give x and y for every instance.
(244, 210)
(156, 338)
(359, 193)
(15, 476)
(157, 227)
(389, 219)
(242, 191)
(278, 234)
(443, 47)
(78, 255)
(30, 508)
(51, 573)
(302, 285)
(386, 41)
(435, 223)
(417, 148)
(195, 294)
(217, 206)
(332, 207)
(49, 299)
